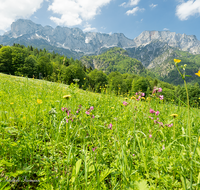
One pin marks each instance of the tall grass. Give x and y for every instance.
(100, 143)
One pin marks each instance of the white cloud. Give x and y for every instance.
(134, 2)
(88, 28)
(134, 11)
(153, 5)
(187, 9)
(10, 10)
(165, 29)
(74, 12)
(123, 4)
(130, 3)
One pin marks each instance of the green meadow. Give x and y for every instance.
(56, 136)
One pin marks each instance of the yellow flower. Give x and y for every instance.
(199, 140)
(39, 101)
(11, 103)
(112, 107)
(198, 74)
(174, 115)
(126, 98)
(177, 60)
(67, 96)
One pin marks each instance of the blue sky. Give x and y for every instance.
(130, 17)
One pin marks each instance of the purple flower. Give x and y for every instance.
(133, 154)
(91, 108)
(125, 103)
(150, 136)
(161, 97)
(143, 94)
(151, 111)
(87, 112)
(157, 113)
(159, 89)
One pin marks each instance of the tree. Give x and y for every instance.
(6, 60)
(140, 84)
(45, 66)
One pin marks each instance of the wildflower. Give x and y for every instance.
(66, 120)
(157, 113)
(163, 147)
(174, 115)
(39, 101)
(177, 60)
(133, 154)
(126, 98)
(151, 117)
(199, 140)
(151, 111)
(91, 108)
(170, 125)
(93, 116)
(136, 93)
(161, 124)
(67, 96)
(143, 94)
(110, 126)
(94, 149)
(125, 103)
(112, 107)
(161, 97)
(150, 136)
(11, 103)
(159, 89)
(198, 74)
(87, 112)
(76, 111)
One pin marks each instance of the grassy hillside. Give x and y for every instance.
(167, 71)
(115, 59)
(92, 141)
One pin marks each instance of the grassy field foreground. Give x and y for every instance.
(93, 141)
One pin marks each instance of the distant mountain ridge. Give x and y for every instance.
(150, 47)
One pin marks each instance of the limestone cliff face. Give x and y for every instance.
(146, 47)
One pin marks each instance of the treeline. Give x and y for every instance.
(41, 64)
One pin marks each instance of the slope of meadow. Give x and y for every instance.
(93, 141)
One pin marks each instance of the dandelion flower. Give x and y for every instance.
(177, 60)
(39, 101)
(174, 115)
(198, 74)
(199, 140)
(67, 96)
(11, 103)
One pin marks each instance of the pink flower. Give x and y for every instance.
(154, 89)
(91, 108)
(160, 123)
(159, 89)
(151, 111)
(125, 103)
(170, 125)
(66, 120)
(161, 97)
(87, 112)
(110, 126)
(63, 109)
(155, 121)
(93, 116)
(150, 136)
(163, 147)
(136, 93)
(76, 111)
(143, 94)
(133, 154)
(157, 112)
(151, 117)
(93, 149)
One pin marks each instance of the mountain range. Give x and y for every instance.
(152, 48)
